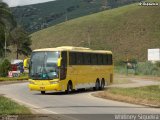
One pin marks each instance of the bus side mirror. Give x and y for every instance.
(59, 62)
(26, 63)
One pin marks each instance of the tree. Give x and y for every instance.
(7, 23)
(6, 17)
(4, 68)
(2, 42)
(2, 38)
(21, 41)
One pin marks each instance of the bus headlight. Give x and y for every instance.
(31, 82)
(54, 82)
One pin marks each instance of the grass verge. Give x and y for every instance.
(148, 95)
(23, 76)
(13, 79)
(8, 107)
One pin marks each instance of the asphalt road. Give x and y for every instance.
(79, 105)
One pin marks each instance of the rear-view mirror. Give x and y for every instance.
(26, 63)
(59, 62)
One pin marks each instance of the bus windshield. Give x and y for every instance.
(43, 65)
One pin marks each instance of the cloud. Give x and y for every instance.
(13, 3)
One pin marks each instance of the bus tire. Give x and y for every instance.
(102, 84)
(97, 85)
(43, 92)
(69, 87)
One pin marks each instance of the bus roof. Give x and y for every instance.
(71, 48)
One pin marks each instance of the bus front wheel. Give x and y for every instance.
(69, 88)
(97, 85)
(102, 84)
(43, 92)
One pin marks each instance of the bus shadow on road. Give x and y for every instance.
(46, 107)
(82, 91)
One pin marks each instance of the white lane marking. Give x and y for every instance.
(33, 107)
(91, 96)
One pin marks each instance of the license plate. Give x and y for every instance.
(42, 88)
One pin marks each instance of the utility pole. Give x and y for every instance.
(66, 18)
(89, 38)
(5, 44)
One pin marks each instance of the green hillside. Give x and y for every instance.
(40, 16)
(128, 31)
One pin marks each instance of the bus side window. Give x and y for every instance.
(110, 59)
(72, 58)
(100, 59)
(94, 59)
(80, 59)
(104, 59)
(87, 59)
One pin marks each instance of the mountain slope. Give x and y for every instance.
(128, 31)
(39, 16)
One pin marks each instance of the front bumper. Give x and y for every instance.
(51, 87)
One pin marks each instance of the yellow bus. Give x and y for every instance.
(69, 68)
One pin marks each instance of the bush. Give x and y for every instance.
(148, 68)
(143, 68)
(14, 79)
(158, 64)
(123, 62)
(120, 63)
(4, 68)
(133, 60)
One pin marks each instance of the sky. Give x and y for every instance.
(13, 3)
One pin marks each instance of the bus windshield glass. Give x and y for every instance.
(43, 65)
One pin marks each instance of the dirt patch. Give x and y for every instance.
(153, 78)
(134, 81)
(119, 79)
(128, 99)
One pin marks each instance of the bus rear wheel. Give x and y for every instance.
(43, 92)
(69, 88)
(102, 84)
(97, 85)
